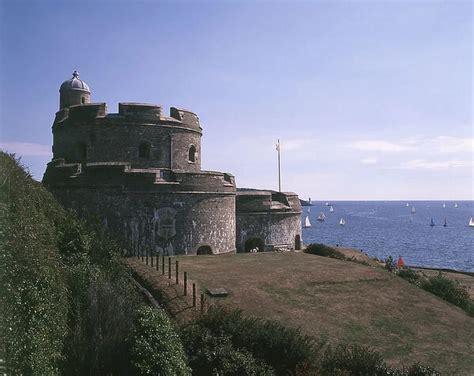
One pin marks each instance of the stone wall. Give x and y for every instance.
(276, 230)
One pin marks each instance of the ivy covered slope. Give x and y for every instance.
(67, 305)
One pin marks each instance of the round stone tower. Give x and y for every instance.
(139, 170)
(74, 91)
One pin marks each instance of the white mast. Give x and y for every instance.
(278, 148)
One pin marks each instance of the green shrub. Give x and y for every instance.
(33, 293)
(156, 347)
(324, 250)
(213, 353)
(410, 276)
(282, 348)
(448, 290)
(352, 360)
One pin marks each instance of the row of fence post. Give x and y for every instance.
(144, 259)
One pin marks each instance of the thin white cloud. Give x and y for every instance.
(26, 149)
(445, 144)
(423, 164)
(369, 161)
(380, 145)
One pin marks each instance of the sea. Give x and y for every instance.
(389, 228)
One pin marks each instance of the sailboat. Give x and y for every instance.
(331, 209)
(327, 203)
(445, 222)
(307, 223)
(342, 222)
(432, 222)
(471, 222)
(413, 210)
(444, 205)
(456, 206)
(321, 217)
(407, 204)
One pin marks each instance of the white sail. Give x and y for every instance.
(471, 222)
(307, 223)
(331, 209)
(456, 205)
(321, 217)
(444, 205)
(413, 210)
(407, 205)
(342, 222)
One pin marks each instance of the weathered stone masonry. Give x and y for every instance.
(140, 172)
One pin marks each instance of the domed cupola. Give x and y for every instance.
(74, 91)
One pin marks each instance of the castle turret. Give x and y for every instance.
(74, 91)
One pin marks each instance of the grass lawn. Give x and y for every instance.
(343, 301)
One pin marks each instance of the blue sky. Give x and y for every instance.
(371, 100)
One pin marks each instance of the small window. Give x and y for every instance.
(83, 100)
(192, 154)
(144, 150)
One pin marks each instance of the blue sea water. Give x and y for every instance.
(383, 228)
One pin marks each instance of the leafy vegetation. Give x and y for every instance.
(156, 347)
(445, 288)
(324, 250)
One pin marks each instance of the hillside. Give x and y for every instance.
(341, 301)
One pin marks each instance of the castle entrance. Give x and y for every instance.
(254, 245)
(204, 250)
(297, 243)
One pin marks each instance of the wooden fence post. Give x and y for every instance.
(151, 258)
(169, 267)
(146, 256)
(141, 253)
(157, 259)
(185, 283)
(202, 302)
(163, 264)
(194, 295)
(177, 272)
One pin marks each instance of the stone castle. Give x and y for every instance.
(139, 171)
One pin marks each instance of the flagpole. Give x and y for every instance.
(279, 166)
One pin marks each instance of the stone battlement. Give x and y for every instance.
(121, 174)
(128, 113)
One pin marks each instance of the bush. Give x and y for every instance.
(284, 349)
(33, 293)
(410, 276)
(448, 290)
(324, 250)
(352, 360)
(156, 348)
(213, 353)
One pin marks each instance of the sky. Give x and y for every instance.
(371, 100)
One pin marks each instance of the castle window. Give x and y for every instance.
(192, 154)
(144, 150)
(83, 100)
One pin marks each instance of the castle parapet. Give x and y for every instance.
(87, 111)
(140, 111)
(186, 117)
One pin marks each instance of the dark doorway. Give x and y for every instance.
(204, 250)
(254, 245)
(298, 242)
(144, 150)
